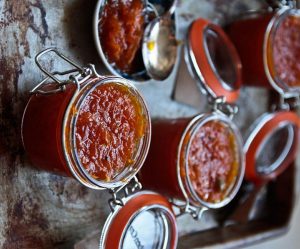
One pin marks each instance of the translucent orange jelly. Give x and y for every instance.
(121, 30)
(212, 161)
(286, 51)
(108, 130)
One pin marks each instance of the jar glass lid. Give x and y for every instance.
(214, 60)
(271, 145)
(282, 50)
(220, 59)
(125, 227)
(275, 149)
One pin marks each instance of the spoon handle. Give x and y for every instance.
(171, 10)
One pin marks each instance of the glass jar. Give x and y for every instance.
(96, 129)
(182, 154)
(268, 44)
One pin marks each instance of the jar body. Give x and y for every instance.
(98, 132)
(42, 130)
(198, 160)
(160, 169)
(248, 37)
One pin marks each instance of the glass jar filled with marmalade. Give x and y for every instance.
(268, 44)
(96, 129)
(199, 160)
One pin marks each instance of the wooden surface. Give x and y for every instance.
(42, 210)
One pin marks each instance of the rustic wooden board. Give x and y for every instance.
(42, 210)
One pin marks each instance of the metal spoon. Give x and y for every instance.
(159, 48)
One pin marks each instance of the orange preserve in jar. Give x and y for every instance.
(212, 161)
(269, 45)
(121, 29)
(97, 131)
(199, 160)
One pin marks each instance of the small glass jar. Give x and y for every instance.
(182, 153)
(77, 127)
(268, 44)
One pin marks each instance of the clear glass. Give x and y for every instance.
(275, 149)
(154, 236)
(220, 58)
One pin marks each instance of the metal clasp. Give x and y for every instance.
(219, 104)
(118, 194)
(187, 208)
(277, 4)
(287, 102)
(77, 75)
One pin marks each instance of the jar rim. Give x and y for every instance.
(183, 150)
(68, 136)
(135, 205)
(201, 65)
(260, 131)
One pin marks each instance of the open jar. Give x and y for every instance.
(97, 130)
(196, 160)
(268, 45)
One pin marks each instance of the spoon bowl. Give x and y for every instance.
(159, 48)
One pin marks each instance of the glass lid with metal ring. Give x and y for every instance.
(213, 60)
(271, 145)
(125, 226)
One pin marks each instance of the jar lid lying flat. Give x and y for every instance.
(214, 60)
(271, 145)
(282, 50)
(146, 220)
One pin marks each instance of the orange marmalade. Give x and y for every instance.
(286, 51)
(108, 130)
(212, 161)
(121, 30)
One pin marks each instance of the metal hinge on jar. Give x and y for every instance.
(187, 208)
(77, 75)
(220, 105)
(277, 4)
(118, 194)
(287, 102)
